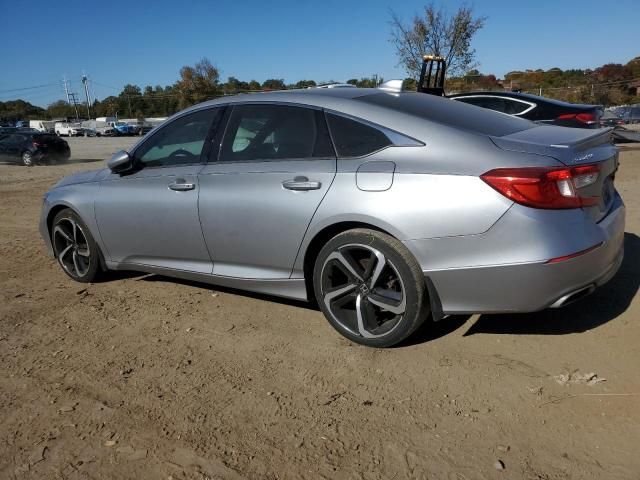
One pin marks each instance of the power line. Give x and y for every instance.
(30, 88)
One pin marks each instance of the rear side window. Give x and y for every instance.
(355, 139)
(499, 104)
(492, 103)
(275, 132)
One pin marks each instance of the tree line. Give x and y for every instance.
(432, 31)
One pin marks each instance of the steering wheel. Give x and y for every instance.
(181, 154)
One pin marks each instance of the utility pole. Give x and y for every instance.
(86, 92)
(72, 96)
(66, 88)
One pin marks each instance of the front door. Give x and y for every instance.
(150, 216)
(257, 198)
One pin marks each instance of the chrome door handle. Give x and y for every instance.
(301, 184)
(181, 186)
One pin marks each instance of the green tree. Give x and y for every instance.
(436, 32)
(410, 84)
(274, 84)
(61, 109)
(305, 84)
(197, 83)
(14, 110)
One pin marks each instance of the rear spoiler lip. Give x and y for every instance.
(587, 142)
(568, 153)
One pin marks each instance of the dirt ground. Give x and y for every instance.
(147, 377)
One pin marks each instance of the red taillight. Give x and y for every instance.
(36, 144)
(541, 187)
(587, 118)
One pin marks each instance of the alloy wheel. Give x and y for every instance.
(71, 247)
(363, 291)
(27, 159)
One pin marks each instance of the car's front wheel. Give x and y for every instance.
(370, 288)
(74, 247)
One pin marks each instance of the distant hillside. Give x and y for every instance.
(14, 110)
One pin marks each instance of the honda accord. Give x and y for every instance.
(385, 208)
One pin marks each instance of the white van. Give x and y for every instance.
(42, 125)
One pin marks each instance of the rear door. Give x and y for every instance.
(258, 196)
(12, 145)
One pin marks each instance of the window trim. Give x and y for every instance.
(227, 119)
(373, 125)
(206, 148)
(532, 105)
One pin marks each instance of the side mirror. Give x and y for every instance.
(120, 162)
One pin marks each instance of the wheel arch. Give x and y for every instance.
(51, 215)
(319, 240)
(330, 231)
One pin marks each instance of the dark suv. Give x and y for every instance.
(33, 147)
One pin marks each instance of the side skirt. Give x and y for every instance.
(287, 288)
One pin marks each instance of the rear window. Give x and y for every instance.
(450, 113)
(355, 139)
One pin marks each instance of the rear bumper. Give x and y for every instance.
(530, 286)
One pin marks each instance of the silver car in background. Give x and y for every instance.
(383, 207)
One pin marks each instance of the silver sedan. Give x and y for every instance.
(385, 208)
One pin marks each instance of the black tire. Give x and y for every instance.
(400, 279)
(70, 250)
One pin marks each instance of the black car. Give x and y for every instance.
(535, 108)
(630, 114)
(33, 147)
(609, 119)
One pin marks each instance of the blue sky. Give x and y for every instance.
(147, 42)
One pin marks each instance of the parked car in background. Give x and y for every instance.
(31, 148)
(535, 108)
(382, 207)
(43, 125)
(98, 128)
(610, 119)
(630, 115)
(68, 130)
(123, 129)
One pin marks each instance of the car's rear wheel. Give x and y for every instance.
(370, 288)
(74, 247)
(27, 158)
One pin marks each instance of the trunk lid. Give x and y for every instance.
(573, 147)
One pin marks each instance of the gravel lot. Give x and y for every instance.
(149, 377)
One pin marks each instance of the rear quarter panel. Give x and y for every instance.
(418, 204)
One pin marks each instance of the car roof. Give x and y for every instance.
(524, 96)
(404, 112)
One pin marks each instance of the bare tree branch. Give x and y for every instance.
(436, 33)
